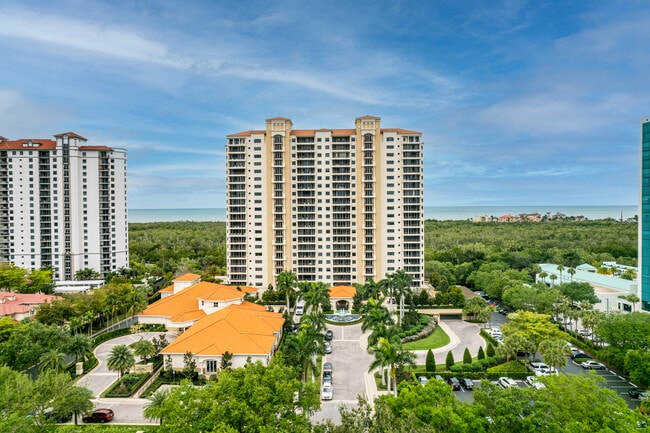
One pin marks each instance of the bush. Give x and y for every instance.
(430, 362)
(490, 352)
(127, 385)
(449, 362)
(481, 353)
(467, 357)
(110, 335)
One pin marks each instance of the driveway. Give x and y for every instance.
(127, 410)
(350, 361)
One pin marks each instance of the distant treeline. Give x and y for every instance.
(201, 246)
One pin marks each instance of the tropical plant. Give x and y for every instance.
(120, 359)
(154, 408)
(144, 349)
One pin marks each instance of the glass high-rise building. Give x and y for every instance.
(338, 206)
(644, 215)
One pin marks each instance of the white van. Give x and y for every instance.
(300, 308)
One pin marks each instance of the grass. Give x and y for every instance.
(438, 338)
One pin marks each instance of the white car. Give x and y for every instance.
(533, 382)
(327, 392)
(507, 382)
(540, 369)
(593, 365)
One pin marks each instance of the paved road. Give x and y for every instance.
(127, 410)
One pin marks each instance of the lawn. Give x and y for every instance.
(438, 338)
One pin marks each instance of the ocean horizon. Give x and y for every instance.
(440, 213)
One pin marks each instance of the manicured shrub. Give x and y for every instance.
(490, 352)
(430, 363)
(481, 353)
(449, 362)
(467, 357)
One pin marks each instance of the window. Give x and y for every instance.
(215, 304)
(211, 366)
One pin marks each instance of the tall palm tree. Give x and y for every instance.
(144, 349)
(571, 271)
(389, 332)
(371, 289)
(375, 316)
(285, 283)
(76, 400)
(120, 359)
(154, 409)
(402, 287)
(390, 354)
(316, 295)
(554, 352)
(560, 268)
(387, 287)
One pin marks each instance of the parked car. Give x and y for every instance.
(645, 395)
(329, 335)
(327, 392)
(454, 383)
(580, 355)
(593, 365)
(635, 392)
(328, 347)
(423, 380)
(327, 373)
(59, 416)
(533, 382)
(99, 415)
(507, 382)
(540, 369)
(438, 377)
(467, 383)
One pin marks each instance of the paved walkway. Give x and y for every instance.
(127, 410)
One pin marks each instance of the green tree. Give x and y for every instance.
(554, 352)
(577, 292)
(75, 400)
(533, 327)
(467, 357)
(402, 284)
(189, 365)
(489, 351)
(52, 360)
(430, 362)
(153, 410)
(285, 284)
(144, 349)
(449, 361)
(87, 274)
(81, 347)
(226, 360)
(474, 306)
(481, 353)
(120, 359)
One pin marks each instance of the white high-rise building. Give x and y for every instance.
(63, 205)
(332, 205)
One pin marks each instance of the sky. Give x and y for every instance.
(519, 102)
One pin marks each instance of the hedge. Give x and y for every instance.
(110, 335)
(132, 381)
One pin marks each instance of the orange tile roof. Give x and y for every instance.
(71, 134)
(187, 277)
(246, 329)
(45, 144)
(167, 289)
(246, 133)
(342, 291)
(184, 305)
(95, 148)
(400, 131)
(340, 132)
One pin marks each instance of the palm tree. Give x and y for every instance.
(553, 277)
(571, 271)
(560, 268)
(285, 283)
(81, 347)
(375, 316)
(402, 287)
(554, 352)
(144, 349)
(382, 353)
(389, 332)
(316, 295)
(120, 359)
(387, 287)
(52, 360)
(543, 276)
(154, 409)
(633, 299)
(371, 289)
(76, 400)
(390, 354)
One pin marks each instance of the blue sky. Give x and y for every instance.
(519, 103)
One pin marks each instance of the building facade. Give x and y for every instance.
(644, 215)
(63, 205)
(332, 205)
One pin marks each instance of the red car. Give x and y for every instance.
(99, 415)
